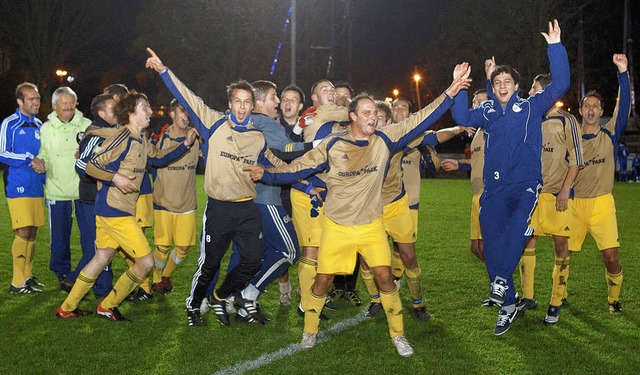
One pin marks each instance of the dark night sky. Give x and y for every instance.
(389, 38)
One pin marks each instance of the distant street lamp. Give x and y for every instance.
(559, 104)
(61, 74)
(417, 78)
(396, 92)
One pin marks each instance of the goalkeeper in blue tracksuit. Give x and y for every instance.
(512, 169)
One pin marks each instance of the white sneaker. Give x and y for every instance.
(204, 306)
(231, 309)
(309, 340)
(402, 346)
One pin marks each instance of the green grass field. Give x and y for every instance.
(457, 340)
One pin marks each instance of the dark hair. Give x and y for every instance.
(594, 94)
(295, 88)
(99, 104)
(240, 85)
(353, 106)
(116, 89)
(506, 69)
(174, 105)
(543, 79)
(346, 85)
(127, 105)
(384, 107)
(22, 86)
(261, 89)
(480, 91)
(400, 98)
(316, 83)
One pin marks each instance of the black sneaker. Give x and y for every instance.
(526, 304)
(23, 290)
(34, 282)
(421, 313)
(244, 317)
(498, 290)
(353, 298)
(504, 321)
(553, 315)
(218, 307)
(112, 314)
(141, 296)
(615, 307)
(193, 318)
(373, 309)
(301, 313)
(65, 284)
(250, 308)
(489, 303)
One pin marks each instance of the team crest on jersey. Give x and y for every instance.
(516, 108)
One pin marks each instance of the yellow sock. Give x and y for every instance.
(393, 309)
(372, 288)
(125, 285)
(414, 282)
(614, 283)
(31, 253)
(19, 255)
(397, 267)
(307, 269)
(177, 256)
(527, 271)
(145, 284)
(80, 289)
(160, 260)
(560, 277)
(312, 308)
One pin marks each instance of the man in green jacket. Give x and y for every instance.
(60, 137)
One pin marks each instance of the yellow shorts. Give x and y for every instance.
(308, 229)
(124, 232)
(546, 220)
(397, 221)
(414, 218)
(475, 218)
(340, 245)
(171, 228)
(596, 216)
(26, 212)
(144, 210)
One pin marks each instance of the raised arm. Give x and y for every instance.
(623, 105)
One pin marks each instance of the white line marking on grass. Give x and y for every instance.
(267, 358)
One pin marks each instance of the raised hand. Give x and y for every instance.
(191, 137)
(461, 79)
(553, 35)
(620, 59)
(489, 66)
(154, 62)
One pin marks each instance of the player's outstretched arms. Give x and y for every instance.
(461, 79)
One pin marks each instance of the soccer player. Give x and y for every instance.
(119, 165)
(593, 208)
(174, 202)
(512, 177)
(230, 215)
(60, 137)
(398, 221)
(561, 161)
(102, 127)
(23, 182)
(623, 156)
(355, 161)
